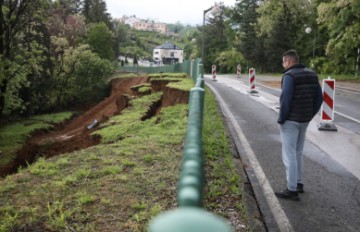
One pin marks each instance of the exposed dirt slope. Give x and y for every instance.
(76, 134)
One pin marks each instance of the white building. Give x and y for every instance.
(145, 25)
(148, 25)
(131, 21)
(168, 53)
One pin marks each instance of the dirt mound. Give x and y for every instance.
(76, 134)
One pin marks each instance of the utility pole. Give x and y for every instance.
(357, 63)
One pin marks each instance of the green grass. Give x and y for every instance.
(168, 75)
(177, 80)
(125, 75)
(13, 136)
(223, 191)
(121, 184)
(183, 85)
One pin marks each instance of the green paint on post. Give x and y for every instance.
(189, 219)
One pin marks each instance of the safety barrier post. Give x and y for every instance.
(213, 70)
(200, 79)
(327, 109)
(252, 78)
(190, 216)
(238, 71)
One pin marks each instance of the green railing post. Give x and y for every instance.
(189, 219)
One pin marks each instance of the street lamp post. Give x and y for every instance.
(203, 36)
(217, 9)
(308, 31)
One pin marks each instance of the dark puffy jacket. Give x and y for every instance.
(306, 96)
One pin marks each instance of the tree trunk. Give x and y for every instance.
(3, 83)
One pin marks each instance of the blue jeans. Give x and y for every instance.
(293, 138)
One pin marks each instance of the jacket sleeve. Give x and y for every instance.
(318, 99)
(286, 96)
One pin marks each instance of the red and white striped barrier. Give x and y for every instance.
(252, 80)
(213, 68)
(238, 71)
(327, 109)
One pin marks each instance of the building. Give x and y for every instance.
(131, 21)
(149, 25)
(168, 53)
(144, 25)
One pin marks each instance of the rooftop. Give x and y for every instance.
(168, 45)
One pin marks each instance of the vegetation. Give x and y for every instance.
(13, 136)
(62, 51)
(261, 31)
(125, 181)
(49, 54)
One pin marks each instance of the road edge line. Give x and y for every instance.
(274, 205)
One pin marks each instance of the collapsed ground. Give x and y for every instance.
(76, 134)
(127, 179)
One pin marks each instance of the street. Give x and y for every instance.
(331, 201)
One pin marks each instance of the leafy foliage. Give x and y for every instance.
(45, 61)
(261, 31)
(100, 40)
(342, 21)
(80, 71)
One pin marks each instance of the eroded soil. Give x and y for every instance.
(76, 134)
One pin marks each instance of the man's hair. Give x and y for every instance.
(292, 55)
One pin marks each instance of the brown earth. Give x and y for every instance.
(76, 134)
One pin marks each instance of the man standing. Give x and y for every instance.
(301, 98)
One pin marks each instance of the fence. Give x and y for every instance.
(189, 67)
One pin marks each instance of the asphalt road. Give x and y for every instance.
(331, 201)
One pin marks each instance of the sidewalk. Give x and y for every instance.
(275, 82)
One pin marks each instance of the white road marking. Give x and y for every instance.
(275, 207)
(343, 145)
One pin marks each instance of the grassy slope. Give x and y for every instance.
(13, 136)
(124, 182)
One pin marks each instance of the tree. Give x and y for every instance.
(69, 26)
(228, 60)
(283, 25)
(77, 73)
(214, 32)
(121, 36)
(341, 19)
(19, 56)
(244, 17)
(95, 11)
(100, 39)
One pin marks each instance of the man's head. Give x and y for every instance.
(290, 58)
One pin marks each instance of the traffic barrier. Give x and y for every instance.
(213, 69)
(238, 71)
(327, 109)
(190, 216)
(252, 78)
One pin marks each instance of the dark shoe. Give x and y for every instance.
(287, 194)
(300, 188)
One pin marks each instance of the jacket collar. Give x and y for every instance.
(294, 66)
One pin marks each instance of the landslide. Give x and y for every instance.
(76, 134)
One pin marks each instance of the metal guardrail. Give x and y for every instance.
(188, 66)
(190, 216)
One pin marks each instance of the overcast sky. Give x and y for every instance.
(166, 11)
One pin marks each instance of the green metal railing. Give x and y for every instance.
(190, 216)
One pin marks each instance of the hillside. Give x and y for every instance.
(130, 174)
(141, 43)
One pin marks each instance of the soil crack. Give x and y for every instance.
(76, 133)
